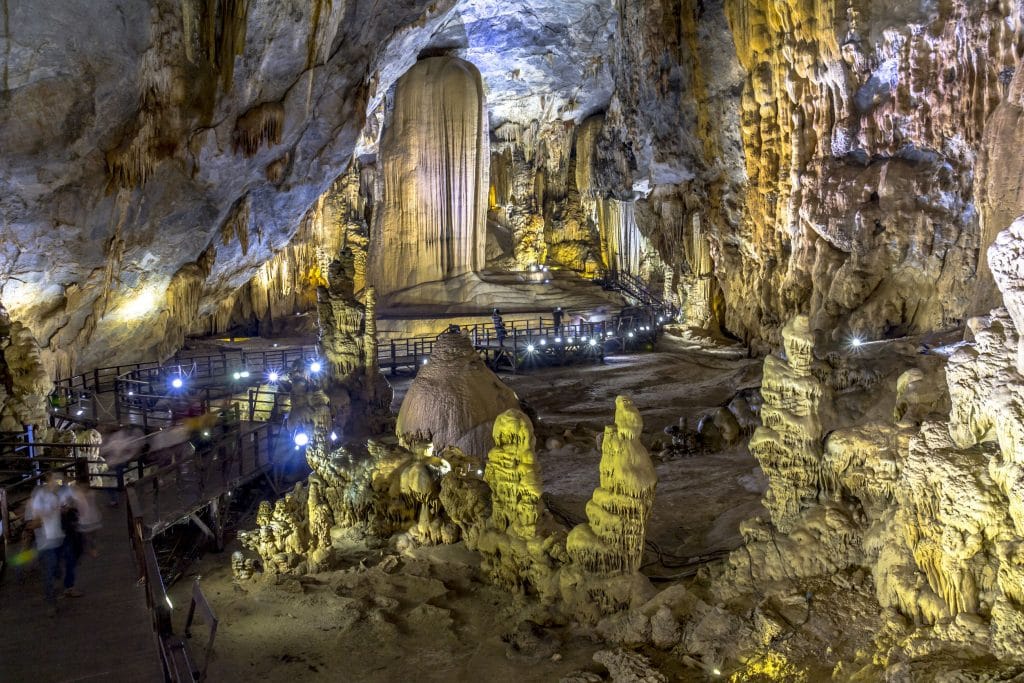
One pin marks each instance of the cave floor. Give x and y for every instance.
(426, 614)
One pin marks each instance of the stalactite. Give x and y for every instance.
(236, 225)
(586, 147)
(264, 123)
(223, 36)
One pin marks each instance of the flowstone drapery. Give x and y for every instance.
(431, 222)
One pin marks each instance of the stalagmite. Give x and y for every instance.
(431, 222)
(789, 444)
(360, 397)
(454, 399)
(519, 545)
(613, 540)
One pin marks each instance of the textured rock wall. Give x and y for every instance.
(862, 126)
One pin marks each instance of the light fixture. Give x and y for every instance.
(593, 342)
(237, 376)
(79, 411)
(244, 373)
(530, 348)
(177, 383)
(630, 335)
(206, 433)
(558, 340)
(315, 366)
(301, 439)
(169, 603)
(131, 393)
(425, 361)
(272, 377)
(334, 436)
(569, 340)
(275, 345)
(855, 342)
(543, 342)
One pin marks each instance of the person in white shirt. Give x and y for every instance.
(43, 516)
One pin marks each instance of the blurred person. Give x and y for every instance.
(44, 518)
(71, 548)
(89, 518)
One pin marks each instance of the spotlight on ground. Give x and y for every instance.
(301, 439)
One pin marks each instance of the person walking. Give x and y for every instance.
(499, 326)
(43, 516)
(557, 315)
(71, 548)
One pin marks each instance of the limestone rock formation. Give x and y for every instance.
(519, 548)
(360, 397)
(454, 399)
(434, 165)
(24, 381)
(789, 444)
(613, 539)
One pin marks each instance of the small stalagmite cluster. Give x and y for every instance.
(422, 497)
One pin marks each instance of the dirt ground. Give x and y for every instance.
(428, 616)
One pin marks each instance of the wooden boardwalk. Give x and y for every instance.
(106, 635)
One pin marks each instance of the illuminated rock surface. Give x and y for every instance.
(454, 399)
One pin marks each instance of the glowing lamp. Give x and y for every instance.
(273, 376)
(177, 383)
(237, 376)
(543, 342)
(855, 342)
(569, 340)
(301, 439)
(315, 367)
(244, 373)
(530, 348)
(334, 436)
(79, 411)
(131, 393)
(593, 342)
(425, 361)
(630, 335)
(558, 340)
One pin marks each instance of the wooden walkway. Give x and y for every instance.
(106, 635)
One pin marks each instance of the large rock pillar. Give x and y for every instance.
(434, 158)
